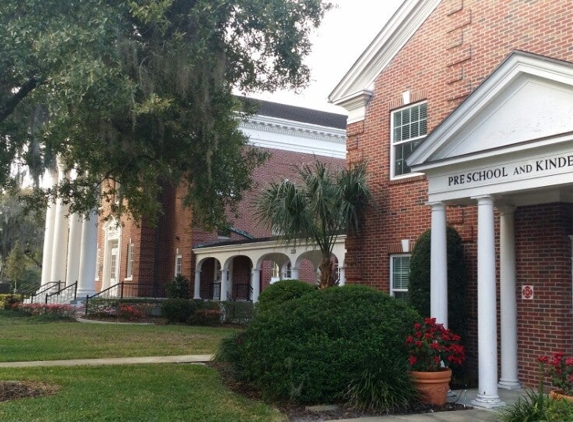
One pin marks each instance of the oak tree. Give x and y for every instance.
(140, 94)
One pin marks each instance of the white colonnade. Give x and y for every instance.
(70, 246)
(487, 312)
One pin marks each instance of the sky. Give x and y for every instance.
(345, 33)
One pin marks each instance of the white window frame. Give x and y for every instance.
(129, 263)
(97, 264)
(392, 289)
(178, 263)
(393, 144)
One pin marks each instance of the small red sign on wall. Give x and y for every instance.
(527, 292)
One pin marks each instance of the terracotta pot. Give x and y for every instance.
(558, 394)
(433, 386)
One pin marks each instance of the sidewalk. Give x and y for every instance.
(473, 415)
(111, 361)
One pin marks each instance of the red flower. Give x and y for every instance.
(560, 369)
(431, 346)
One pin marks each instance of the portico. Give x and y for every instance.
(507, 147)
(288, 258)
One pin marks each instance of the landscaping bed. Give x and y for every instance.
(301, 413)
(14, 390)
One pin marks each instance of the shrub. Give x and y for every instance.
(131, 309)
(310, 348)
(536, 406)
(419, 283)
(282, 291)
(3, 298)
(178, 288)
(48, 311)
(371, 391)
(11, 302)
(207, 317)
(177, 310)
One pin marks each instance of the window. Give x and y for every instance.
(129, 266)
(400, 276)
(409, 129)
(178, 259)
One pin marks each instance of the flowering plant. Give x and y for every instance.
(431, 346)
(560, 369)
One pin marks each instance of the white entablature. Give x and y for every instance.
(513, 136)
(276, 133)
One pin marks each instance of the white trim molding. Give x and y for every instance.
(289, 135)
(389, 41)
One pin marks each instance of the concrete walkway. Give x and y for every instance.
(111, 361)
(472, 415)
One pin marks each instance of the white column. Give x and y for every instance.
(256, 283)
(487, 319)
(60, 245)
(295, 273)
(439, 265)
(341, 276)
(224, 285)
(48, 244)
(508, 300)
(197, 286)
(88, 252)
(74, 245)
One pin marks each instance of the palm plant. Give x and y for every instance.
(325, 205)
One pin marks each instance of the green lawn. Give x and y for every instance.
(23, 340)
(161, 392)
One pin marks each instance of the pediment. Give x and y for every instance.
(527, 101)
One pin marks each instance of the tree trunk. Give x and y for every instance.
(327, 275)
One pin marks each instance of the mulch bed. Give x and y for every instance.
(300, 413)
(13, 390)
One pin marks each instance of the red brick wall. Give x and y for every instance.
(175, 231)
(455, 49)
(543, 254)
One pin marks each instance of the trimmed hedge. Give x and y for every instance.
(282, 291)
(178, 288)
(178, 310)
(419, 284)
(310, 349)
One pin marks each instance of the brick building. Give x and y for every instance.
(463, 110)
(235, 265)
(153, 256)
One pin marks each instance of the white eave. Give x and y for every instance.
(355, 89)
(289, 135)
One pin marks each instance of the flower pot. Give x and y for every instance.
(432, 386)
(558, 394)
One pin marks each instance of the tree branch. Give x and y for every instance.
(8, 108)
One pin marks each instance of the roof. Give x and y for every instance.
(232, 242)
(300, 114)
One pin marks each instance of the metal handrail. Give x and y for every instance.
(100, 294)
(123, 289)
(47, 287)
(72, 287)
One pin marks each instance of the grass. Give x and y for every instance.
(161, 392)
(27, 339)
